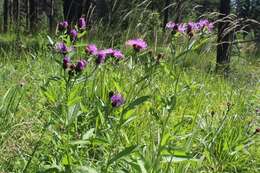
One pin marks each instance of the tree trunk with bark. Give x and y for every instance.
(224, 37)
(166, 13)
(5, 11)
(33, 15)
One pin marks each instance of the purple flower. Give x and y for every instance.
(61, 47)
(182, 27)
(117, 54)
(82, 23)
(191, 27)
(66, 61)
(138, 44)
(73, 34)
(91, 49)
(116, 99)
(63, 25)
(171, 25)
(101, 56)
(204, 23)
(108, 51)
(81, 65)
(210, 27)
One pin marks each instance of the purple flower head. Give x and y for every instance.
(61, 47)
(182, 27)
(108, 51)
(81, 65)
(73, 34)
(116, 99)
(91, 49)
(138, 44)
(117, 54)
(101, 56)
(66, 61)
(210, 27)
(203, 23)
(63, 25)
(82, 24)
(171, 25)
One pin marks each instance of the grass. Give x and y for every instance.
(176, 118)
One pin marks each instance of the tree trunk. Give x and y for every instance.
(223, 47)
(166, 13)
(50, 13)
(15, 11)
(33, 15)
(27, 6)
(5, 8)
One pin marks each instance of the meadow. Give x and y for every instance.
(149, 106)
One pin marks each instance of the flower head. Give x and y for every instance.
(171, 25)
(101, 56)
(117, 54)
(91, 49)
(116, 99)
(206, 24)
(61, 47)
(138, 44)
(63, 25)
(81, 65)
(108, 51)
(210, 27)
(66, 61)
(73, 34)
(182, 27)
(82, 24)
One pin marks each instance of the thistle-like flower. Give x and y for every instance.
(82, 24)
(73, 34)
(116, 99)
(63, 25)
(117, 54)
(61, 48)
(81, 65)
(91, 49)
(101, 56)
(137, 44)
(66, 61)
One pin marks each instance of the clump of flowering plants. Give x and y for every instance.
(190, 37)
(79, 86)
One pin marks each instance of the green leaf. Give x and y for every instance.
(74, 100)
(50, 40)
(85, 169)
(125, 152)
(135, 103)
(79, 142)
(141, 165)
(88, 134)
(173, 158)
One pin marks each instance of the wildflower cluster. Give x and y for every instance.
(68, 44)
(64, 27)
(65, 47)
(191, 27)
(102, 54)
